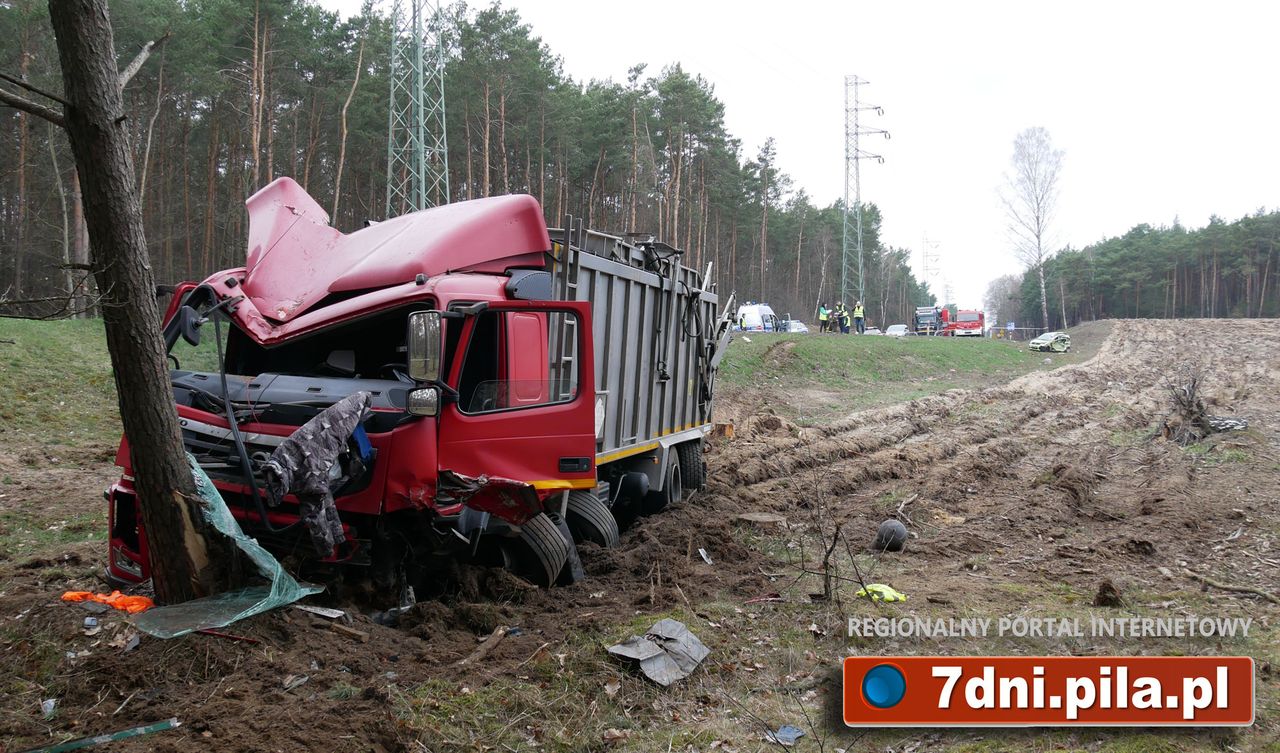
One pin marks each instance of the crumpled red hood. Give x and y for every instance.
(295, 259)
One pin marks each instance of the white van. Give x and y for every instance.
(757, 317)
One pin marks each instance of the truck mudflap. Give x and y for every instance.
(507, 499)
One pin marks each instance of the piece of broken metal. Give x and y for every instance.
(124, 734)
(667, 652)
(332, 614)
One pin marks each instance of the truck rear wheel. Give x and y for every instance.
(692, 465)
(670, 492)
(589, 519)
(546, 551)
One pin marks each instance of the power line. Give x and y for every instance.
(417, 147)
(851, 247)
(929, 258)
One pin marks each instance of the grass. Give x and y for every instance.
(56, 386)
(817, 377)
(864, 362)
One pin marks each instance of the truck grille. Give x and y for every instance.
(214, 448)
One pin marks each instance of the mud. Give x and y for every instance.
(1052, 479)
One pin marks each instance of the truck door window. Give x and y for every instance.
(519, 359)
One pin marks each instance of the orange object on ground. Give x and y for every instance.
(115, 599)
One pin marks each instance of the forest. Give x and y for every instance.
(1225, 269)
(245, 91)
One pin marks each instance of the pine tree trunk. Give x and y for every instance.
(95, 122)
(151, 126)
(502, 139)
(185, 177)
(19, 246)
(764, 230)
(210, 200)
(635, 172)
(67, 282)
(466, 121)
(79, 244)
(342, 148)
(255, 95)
(484, 146)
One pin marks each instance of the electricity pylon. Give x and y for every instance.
(853, 155)
(417, 149)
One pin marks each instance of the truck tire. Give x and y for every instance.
(546, 551)
(589, 519)
(692, 465)
(671, 491)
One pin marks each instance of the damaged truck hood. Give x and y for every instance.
(297, 262)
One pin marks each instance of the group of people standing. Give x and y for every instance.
(837, 319)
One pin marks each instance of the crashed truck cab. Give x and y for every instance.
(463, 326)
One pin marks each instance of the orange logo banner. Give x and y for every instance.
(1048, 691)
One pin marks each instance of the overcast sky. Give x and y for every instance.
(1165, 109)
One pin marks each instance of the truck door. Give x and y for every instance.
(525, 380)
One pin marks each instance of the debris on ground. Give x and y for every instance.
(891, 536)
(332, 614)
(786, 735)
(487, 645)
(115, 600)
(293, 681)
(880, 592)
(124, 734)
(1189, 422)
(763, 518)
(666, 653)
(359, 635)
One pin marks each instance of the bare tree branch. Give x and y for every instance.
(141, 58)
(31, 108)
(71, 303)
(34, 89)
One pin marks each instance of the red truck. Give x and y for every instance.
(966, 323)
(527, 388)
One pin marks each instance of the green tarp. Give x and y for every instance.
(225, 608)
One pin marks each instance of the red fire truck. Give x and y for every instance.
(528, 388)
(966, 323)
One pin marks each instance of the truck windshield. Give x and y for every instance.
(967, 316)
(370, 347)
(519, 359)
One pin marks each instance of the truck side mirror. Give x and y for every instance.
(424, 346)
(188, 325)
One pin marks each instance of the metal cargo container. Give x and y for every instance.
(659, 336)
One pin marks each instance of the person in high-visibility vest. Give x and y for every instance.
(842, 317)
(823, 317)
(859, 318)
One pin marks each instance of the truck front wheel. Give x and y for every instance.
(546, 551)
(589, 519)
